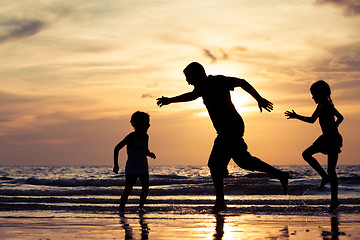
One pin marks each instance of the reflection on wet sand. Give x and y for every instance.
(334, 233)
(220, 232)
(224, 226)
(129, 230)
(219, 229)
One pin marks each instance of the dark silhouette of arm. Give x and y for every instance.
(339, 117)
(294, 115)
(186, 97)
(117, 148)
(148, 153)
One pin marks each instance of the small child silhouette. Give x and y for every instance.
(229, 143)
(136, 164)
(329, 142)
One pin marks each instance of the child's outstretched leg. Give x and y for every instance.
(332, 161)
(144, 191)
(307, 155)
(130, 181)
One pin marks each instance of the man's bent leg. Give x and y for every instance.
(248, 162)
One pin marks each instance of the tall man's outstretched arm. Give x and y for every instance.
(262, 102)
(186, 97)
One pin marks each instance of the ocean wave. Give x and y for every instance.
(72, 182)
(158, 180)
(169, 176)
(180, 209)
(175, 201)
(75, 182)
(354, 179)
(172, 189)
(205, 189)
(6, 178)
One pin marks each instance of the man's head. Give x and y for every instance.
(194, 72)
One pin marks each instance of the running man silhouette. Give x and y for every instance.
(229, 143)
(329, 142)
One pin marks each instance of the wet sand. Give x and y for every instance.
(177, 226)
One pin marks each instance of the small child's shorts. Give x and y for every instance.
(130, 179)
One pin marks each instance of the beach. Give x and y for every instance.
(82, 203)
(175, 226)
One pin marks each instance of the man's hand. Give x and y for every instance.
(290, 114)
(116, 169)
(263, 103)
(163, 101)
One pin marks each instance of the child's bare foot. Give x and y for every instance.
(333, 206)
(324, 181)
(284, 180)
(218, 208)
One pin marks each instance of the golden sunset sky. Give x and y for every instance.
(73, 72)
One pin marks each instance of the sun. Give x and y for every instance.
(243, 102)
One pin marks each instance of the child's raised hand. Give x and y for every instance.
(290, 114)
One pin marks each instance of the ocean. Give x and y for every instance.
(45, 191)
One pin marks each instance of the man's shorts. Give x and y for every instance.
(227, 146)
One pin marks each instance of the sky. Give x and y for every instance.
(73, 72)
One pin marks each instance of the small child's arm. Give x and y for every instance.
(186, 97)
(262, 102)
(339, 117)
(117, 148)
(151, 154)
(148, 153)
(294, 115)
